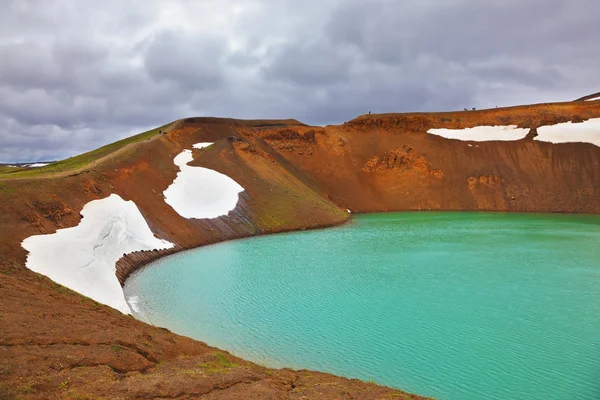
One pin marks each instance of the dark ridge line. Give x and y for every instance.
(256, 123)
(589, 96)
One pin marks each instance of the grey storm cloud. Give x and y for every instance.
(76, 75)
(192, 63)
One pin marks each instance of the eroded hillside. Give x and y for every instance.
(389, 162)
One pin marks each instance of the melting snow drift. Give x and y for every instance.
(83, 258)
(201, 192)
(593, 99)
(483, 133)
(568, 132)
(201, 145)
(34, 165)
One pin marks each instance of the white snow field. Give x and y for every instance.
(201, 192)
(201, 145)
(594, 98)
(568, 132)
(483, 133)
(35, 165)
(84, 257)
(133, 302)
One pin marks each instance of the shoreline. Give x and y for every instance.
(161, 254)
(558, 216)
(125, 268)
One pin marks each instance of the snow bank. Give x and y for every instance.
(83, 258)
(201, 145)
(595, 98)
(34, 165)
(201, 192)
(568, 132)
(134, 302)
(483, 133)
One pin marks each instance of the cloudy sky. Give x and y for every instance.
(78, 74)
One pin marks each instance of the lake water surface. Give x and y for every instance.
(451, 305)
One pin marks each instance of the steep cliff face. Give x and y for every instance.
(295, 177)
(390, 162)
(277, 198)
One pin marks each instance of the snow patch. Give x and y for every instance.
(483, 133)
(568, 132)
(201, 145)
(134, 302)
(32, 165)
(84, 257)
(593, 99)
(199, 192)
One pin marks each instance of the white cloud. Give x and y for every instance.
(89, 75)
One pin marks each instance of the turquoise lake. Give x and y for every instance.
(450, 305)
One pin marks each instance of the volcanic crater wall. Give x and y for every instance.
(390, 162)
(295, 177)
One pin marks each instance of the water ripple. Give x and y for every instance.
(452, 305)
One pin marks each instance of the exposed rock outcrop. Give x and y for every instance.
(402, 159)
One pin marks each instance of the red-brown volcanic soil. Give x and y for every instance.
(55, 343)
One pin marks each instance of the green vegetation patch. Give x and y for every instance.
(220, 365)
(64, 384)
(80, 161)
(116, 348)
(5, 169)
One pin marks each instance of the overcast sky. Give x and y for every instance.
(77, 74)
